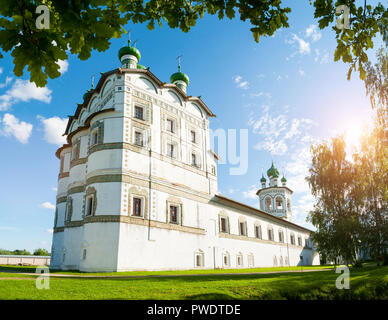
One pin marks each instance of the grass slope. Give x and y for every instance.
(366, 283)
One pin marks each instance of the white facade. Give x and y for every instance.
(132, 195)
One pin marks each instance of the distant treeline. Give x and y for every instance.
(24, 252)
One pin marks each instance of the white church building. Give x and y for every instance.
(137, 187)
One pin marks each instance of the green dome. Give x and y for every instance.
(273, 172)
(140, 66)
(263, 179)
(179, 76)
(129, 50)
(283, 179)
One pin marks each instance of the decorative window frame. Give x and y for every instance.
(281, 235)
(283, 202)
(69, 209)
(199, 253)
(270, 231)
(239, 258)
(176, 151)
(300, 242)
(292, 238)
(223, 215)
(90, 193)
(99, 127)
(144, 132)
(251, 260)
(75, 150)
(136, 192)
(173, 201)
(227, 256)
(244, 232)
(147, 110)
(258, 225)
(265, 202)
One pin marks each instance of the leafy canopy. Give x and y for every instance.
(80, 26)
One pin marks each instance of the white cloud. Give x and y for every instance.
(313, 32)
(301, 72)
(63, 66)
(303, 46)
(251, 193)
(321, 58)
(12, 126)
(50, 230)
(276, 132)
(24, 90)
(54, 189)
(240, 83)
(47, 205)
(54, 128)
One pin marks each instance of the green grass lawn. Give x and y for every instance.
(366, 283)
(31, 269)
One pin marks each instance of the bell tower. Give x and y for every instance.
(274, 198)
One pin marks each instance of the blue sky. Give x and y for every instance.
(286, 91)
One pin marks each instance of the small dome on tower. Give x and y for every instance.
(128, 50)
(283, 179)
(179, 76)
(263, 179)
(273, 172)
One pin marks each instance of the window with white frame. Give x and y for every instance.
(226, 259)
(139, 112)
(300, 241)
(240, 262)
(89, 205)
(258, 233)
(292, 238)
(137, 206)
(139, 138)
(213, 168)
(242, 228)
(195, 161)
(224, 224)
(174, 213)
(193, 137)
(281, 236)
(62, 164)
(270, 234)
(94, 137)
(170, 125)
(251, 260)
(199, 259)
(171, 150)
(84, 254)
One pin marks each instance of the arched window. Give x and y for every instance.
(281, 236)
(251, 261)
(279, 203)
(268, 203)
(258, 232)
(270, 233)
(275, 261)
(199, 258)
(292, 238)
(226, 259)
(240, 262)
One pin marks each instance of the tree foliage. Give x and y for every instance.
(80, 26)
(41, 252)
(335, 212)
(351, 210)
